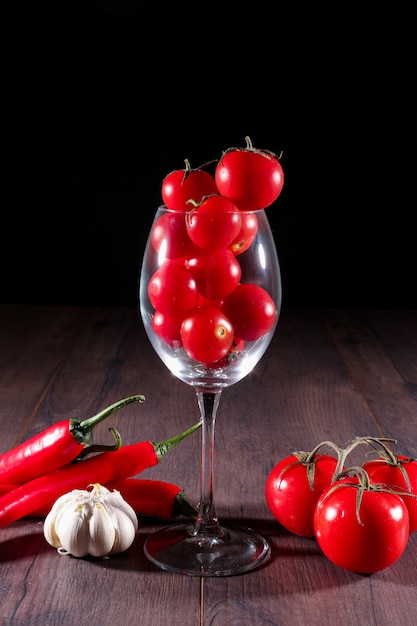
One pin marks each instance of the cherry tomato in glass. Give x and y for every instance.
(217, 272)
(363, 534)
(168, 328)
(169, 237)
(400, 473)
(186, 184)
(246, 234)
(252, 178)
(232, 356)
(293, 488)
(214, 223)
(251, 310)
(202, 301)
(172, 289)
(207, 334)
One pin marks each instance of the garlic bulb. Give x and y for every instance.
(97, 522)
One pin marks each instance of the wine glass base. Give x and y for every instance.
(235, 551)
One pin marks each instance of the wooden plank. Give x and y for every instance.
(379, 349)
(34, 343)
(301, 586)
(38, 587)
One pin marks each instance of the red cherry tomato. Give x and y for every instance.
(168, 328)
(217, 272)
(251, 310)
(246, 234)
(186, 184)
(172, 289)
(399, 473)
(252, 178)
(363, 534)
(207, 334)
(214, 223)
(169, 237)
(293, 488)
(202, 301)
(232, 356)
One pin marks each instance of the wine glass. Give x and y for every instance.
(210, 314)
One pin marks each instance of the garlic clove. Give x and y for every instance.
(124, 535)
(101, 531)
(49, 530)
(122, 508)
(50, 520)
(72, 529)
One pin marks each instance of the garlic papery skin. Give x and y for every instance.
(96, 522)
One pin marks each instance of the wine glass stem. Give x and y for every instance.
(207, 523)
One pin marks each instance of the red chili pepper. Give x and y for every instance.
(102, 468)
(55, 446)
(155, 498)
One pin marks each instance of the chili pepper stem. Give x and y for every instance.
(183, 507)
(81, 430)
(162, 447)
(101, 447)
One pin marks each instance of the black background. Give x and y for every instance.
(100, 100)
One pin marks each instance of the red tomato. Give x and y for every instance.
(203, 301)
(217, 272)
(207, 334)
(252, 178)
(180, 186)
(172, 289)
(293, 488)
(246, 234)
(400, 474)
(168, 327)
(169, 237)
(363, 534)
(233, 354)
(251, 310)
(214, 223)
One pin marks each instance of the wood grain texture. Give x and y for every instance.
(328, 375)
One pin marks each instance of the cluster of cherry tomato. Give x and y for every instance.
(201, 302)
(361, 516)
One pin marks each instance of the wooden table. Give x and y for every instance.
(332, 374)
